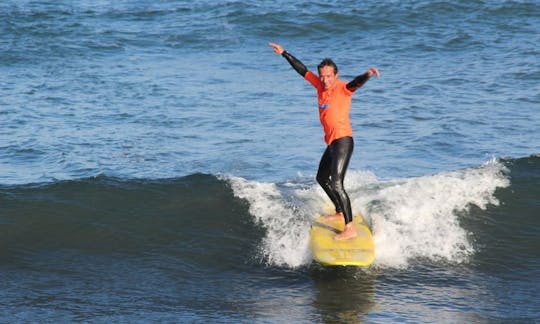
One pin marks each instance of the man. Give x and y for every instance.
(334, 99)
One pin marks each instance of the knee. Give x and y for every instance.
(322, 180)
(337, 186)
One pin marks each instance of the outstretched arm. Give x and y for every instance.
(293, 61)
(361, 79)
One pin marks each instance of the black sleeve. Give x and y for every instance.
(295, 63)
(357, 82)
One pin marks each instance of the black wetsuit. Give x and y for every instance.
(331, 173)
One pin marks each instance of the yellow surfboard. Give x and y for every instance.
(359, 251)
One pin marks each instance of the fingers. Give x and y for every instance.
(276, 47)
(373, 71)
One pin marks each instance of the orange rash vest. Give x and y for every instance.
(334, 108)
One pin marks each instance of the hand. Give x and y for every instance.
(277, 48)
(373, 71)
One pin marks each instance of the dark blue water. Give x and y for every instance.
(157, 161)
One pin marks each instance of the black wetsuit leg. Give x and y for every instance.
(332, 169)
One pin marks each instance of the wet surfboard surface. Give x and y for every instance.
(358, 251)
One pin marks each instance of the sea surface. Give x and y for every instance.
(157, 161)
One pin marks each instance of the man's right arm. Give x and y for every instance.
(295, 63)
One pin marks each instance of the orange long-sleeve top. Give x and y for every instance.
(334, 108)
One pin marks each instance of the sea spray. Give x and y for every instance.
(410, 218)
(286, 242)
(419, 217)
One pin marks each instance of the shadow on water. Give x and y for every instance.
(343, 294)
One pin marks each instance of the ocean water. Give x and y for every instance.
(157, 161)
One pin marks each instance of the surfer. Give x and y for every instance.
(334, 100)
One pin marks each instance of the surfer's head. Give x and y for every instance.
(328, 72)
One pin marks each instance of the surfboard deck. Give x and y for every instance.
(359, 251)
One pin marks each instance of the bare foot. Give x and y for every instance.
(336, 216)
(348, 233)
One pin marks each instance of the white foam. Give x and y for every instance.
(419, 217)
(287, 241)
(411, 218)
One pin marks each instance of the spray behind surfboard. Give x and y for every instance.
(414, 218)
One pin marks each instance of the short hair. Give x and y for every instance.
(327, 62)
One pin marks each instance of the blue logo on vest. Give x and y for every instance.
(323, 106)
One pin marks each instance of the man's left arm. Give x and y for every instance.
(360, 80)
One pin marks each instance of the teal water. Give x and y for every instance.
(157, 161)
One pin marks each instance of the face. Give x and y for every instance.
(328, 76)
